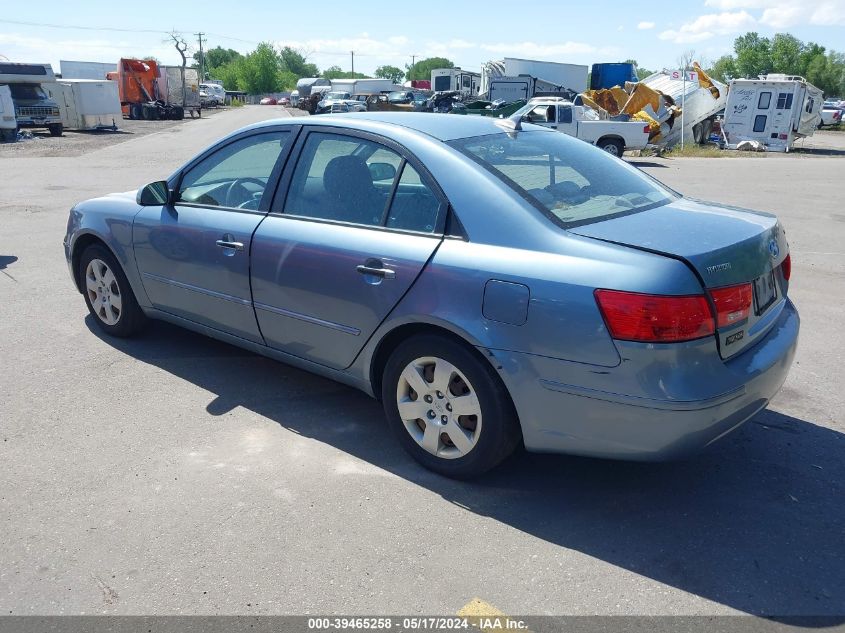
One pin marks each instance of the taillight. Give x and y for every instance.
(647, 129)
(632, 316)
(733, 304)
(786, 267)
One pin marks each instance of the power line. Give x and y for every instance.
(81, 28)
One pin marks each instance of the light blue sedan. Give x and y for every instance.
(493, 284)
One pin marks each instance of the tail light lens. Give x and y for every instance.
(733, 304)
(786, 267)
(633, 316)
(647, 129)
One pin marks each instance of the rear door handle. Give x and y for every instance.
(384, 273)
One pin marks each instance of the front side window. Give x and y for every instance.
(765, 101)
(569, 180)
(235, 175)
(356, 180)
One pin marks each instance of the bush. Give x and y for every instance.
(237, 103)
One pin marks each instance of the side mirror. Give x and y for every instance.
(382, 171)
(153, 194)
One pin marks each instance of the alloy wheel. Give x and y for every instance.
(103, 292)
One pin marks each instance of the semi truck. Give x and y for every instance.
(33, 107)
(143, 94)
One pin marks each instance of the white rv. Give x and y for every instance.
(568, 76)
(364, 86)
(455, 79)
(8, 125)
(87, 104)
(774, 110)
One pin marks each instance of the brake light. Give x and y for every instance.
(647, 129)
(786, 267)
(733, 304)
(633, 316)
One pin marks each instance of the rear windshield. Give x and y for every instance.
(569, 180)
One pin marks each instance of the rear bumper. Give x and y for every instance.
(661, 402)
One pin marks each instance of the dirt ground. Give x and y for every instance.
(80, 142)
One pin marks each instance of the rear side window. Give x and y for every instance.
(760, 123)
(571, 181)
(784, 101)
(356, 180)
(765, 101)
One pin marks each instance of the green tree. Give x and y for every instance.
(723, 69)
(642, 73)
(287, 80)
(786, 53)
(336, 72)
(216, 57)
(422, 69)
(753, 55)
(295, 62)
(393, 73)
(228, 74)
(259, 71)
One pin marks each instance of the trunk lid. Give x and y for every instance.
(724, 245)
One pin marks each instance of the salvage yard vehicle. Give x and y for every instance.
(583, 122)
(380, 250)
(829, 116)
(773, 110)
(8, 125)
(33, 107)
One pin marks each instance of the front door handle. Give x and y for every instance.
(228, 241)
(384, 273)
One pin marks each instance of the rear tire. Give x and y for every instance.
(612, 146)
(466, 423)
(107, 293)
(178, 113)
(56, 129)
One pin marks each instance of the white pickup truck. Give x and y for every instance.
(583, 122)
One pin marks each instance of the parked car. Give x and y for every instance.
(492, 283)
(268, 101)
(284, 101)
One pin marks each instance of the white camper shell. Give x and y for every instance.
(87, 104)
(774, 110)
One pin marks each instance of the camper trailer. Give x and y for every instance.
(457, 80)
(774, 110)
(87, 104)
(33, 108)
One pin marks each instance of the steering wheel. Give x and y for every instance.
(231, 201)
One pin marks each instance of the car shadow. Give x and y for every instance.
(5, 260)
(756, 523)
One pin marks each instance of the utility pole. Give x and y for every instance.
(202, 57)
(353, 63)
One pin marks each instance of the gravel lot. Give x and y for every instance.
(173, 474)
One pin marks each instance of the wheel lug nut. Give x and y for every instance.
(439, 395)
(428, 399)
(431, 415)
(444, 419)
(448, 407)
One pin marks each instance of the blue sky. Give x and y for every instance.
(390, 32)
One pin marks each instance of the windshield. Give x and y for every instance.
(337, 95)
(397, 96)
(570, 181)
(27, 92)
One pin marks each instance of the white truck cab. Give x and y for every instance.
(584, 123)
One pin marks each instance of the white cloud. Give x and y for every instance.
(779, 14)
(22, 48)
(644, 26)
(706, 26)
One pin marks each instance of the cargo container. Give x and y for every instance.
(85, 70)
(608, 75)
(87, 104)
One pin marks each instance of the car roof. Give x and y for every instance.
(444, 127)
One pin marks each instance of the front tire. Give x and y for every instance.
(448, 408)
(108, 295)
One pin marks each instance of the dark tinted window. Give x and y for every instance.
(414, 206)
(235, 175)
(760, 123)
(784, 101)
(22, 69)
(566, 114)
(27, 92)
